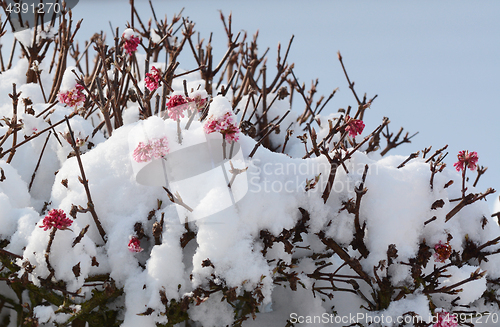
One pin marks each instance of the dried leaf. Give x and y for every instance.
(76, 270)
(437, 204)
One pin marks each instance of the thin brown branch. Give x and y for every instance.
(84, 181)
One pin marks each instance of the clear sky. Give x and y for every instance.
(435, 65)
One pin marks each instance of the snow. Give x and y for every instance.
(44, 313)
(470, 291)
(128, 33)
(227, 220)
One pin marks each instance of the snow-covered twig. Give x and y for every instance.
(47, 253)
(84, 181)
(359, 235)
(15, 99)
(36, 135)
(38, 162)
(466, 200)
(267, 134)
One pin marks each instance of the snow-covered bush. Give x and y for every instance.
(136, 193)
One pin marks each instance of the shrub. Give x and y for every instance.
(200, 197)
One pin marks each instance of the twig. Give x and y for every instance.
(358, 241)
(267, 134)
(10, 254)
(15, 99)
(39, 160)
(412, 156)
(84, 181)
(47, 109)
(235, 172)
(468, 199)
(430, 220)
(36, 135)
(436, 153)
(338, 160)
(47, 253)
(480, 171)
(351, 84)
(391, 144)
(303, 117)
(177, 199)
(80, 236)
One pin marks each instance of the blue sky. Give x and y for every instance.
(435, 65)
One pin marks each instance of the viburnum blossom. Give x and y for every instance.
(442, 251)
(153, 149)
(199, 102)
(131, 41)
(152, 79)
(224, 125)
(466, 160)
(445, 319)
(176, 106)
(56, 218)
(134, 245)
(354, 126)
(73, 97)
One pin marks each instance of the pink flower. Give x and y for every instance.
(56, 218)
(152, 79)
(466, 159)
(176, 106)
(134, 245)
(442, 251)
(153, 149)
(224, 125)
(445, 319)
(199, 102)
(131, 41)
(354, 126)
(73, 97)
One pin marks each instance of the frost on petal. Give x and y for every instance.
(176, 106)
(226, 125)
(198, 100)
(134, 245)
(72, 98)
(442, 251)
(131, 41)
(56, 218)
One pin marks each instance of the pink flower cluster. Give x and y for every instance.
(224, 125)
(73, 97)
(56, 218)
(153, 149)
(134, 245)
(176, 106)
(199, 102)
(354, 126)
(131, 41)
(466, 160)
(442, 251)
(152, 79)
(445, 319)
